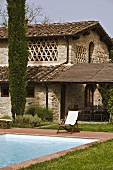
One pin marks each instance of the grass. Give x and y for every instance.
(98, 127)
(105, 127)
(96, 157)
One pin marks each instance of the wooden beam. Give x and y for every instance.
(76, 37)
(86, 32)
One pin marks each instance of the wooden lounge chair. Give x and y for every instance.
(71, 121)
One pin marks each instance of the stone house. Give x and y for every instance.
(65, 64)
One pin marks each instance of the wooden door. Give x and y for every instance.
(62, 115)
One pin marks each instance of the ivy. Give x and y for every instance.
(18, 55)
(106, 91)
(110, 104)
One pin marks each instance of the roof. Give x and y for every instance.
(59, 29)
(62, 29)
(45, 73)
(78, 73)
(36, 74)
(87, 73)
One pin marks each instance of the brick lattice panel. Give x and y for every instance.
(43, 50)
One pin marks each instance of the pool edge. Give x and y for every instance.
(103, 136)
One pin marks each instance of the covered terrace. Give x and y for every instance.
(90, 74)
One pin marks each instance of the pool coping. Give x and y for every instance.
(102, 136)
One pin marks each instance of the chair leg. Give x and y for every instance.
(75, 128)
(58, 129)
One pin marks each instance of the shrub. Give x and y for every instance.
(27, 120)
(6, 117)
(43, 113)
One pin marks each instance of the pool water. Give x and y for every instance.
(19, 148)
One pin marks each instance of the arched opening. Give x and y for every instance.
(89, 95)
(91, 48)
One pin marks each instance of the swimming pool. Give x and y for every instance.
(19, 148)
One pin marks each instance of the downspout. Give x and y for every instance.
(67, 61)
(67, 41)
(46, 87)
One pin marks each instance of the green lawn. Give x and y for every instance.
(98, 127)
(96, 157)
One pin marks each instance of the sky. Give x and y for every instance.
(76, 10)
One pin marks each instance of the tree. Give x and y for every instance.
(110, 104)
(32, 13)
(106, 91)
(111, 53)
(18, 55)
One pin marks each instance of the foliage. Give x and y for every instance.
(43, 113)
(18, 55)
(110, 104)
(104, 89)
(5, 117)
(27, 121)
(34, 14)
(111, 52)
(111, 55)
(93, 127)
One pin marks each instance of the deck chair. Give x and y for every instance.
(71, 121)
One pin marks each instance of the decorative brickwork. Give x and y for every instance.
(43, 50)
(81, 54)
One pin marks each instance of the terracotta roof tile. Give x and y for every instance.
(62, 29)
(59, 28)
(53, 29)
(45, 73)
(36, 73)
(79, 73)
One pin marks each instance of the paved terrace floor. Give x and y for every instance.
(103, 136)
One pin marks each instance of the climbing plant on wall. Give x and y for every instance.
(110, 104)
(111, 53)
(106, 90)
(18, 55)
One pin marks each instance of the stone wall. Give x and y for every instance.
(78, 53)
(80, 49)
(62, 54)
(62, 50)
(3, 52)
(74, 95)
(5, 106)
(54, 98)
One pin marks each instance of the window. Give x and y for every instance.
(89, 94)
(30, 91)
(91, 49)
(43, 50)
(80, 54)
(4, 91)
(89, 91)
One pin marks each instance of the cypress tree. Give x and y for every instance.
(18, 55)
